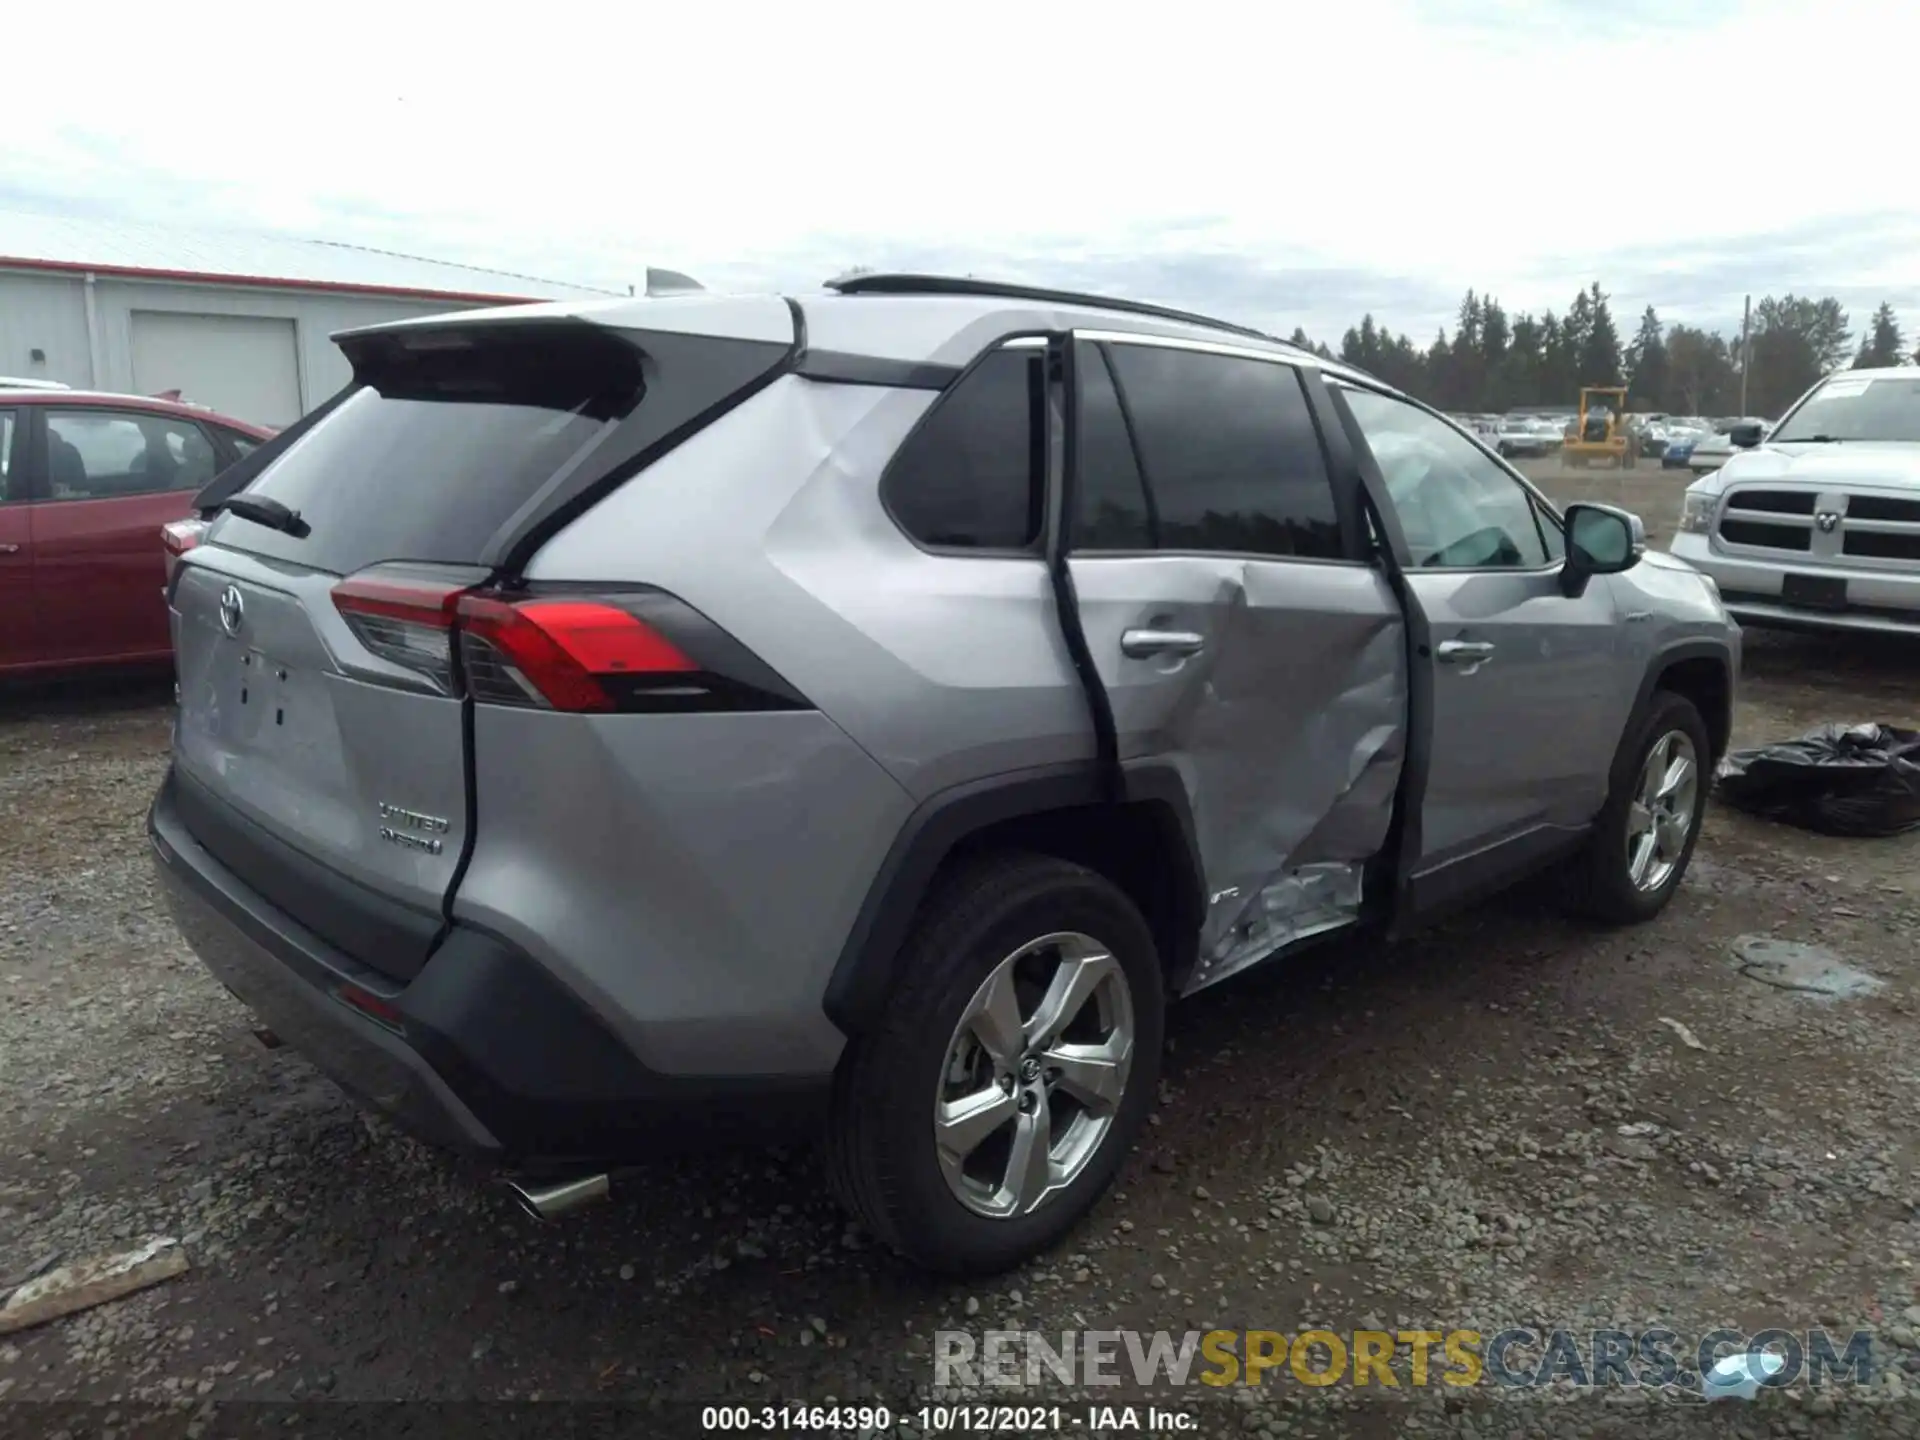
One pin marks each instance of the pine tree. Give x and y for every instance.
(1600, 350)
(1575, 326)
(1796, 340)
(1646, 363)
(1361, 347)
(1559, 372)
(1495, 334)
(1701, 379)
(1469, 366)
(1883, 344)
(1440, 388)
(1523, 381)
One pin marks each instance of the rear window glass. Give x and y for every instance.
(467, 444)
(409, 479)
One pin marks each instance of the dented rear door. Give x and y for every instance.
(1238, 633)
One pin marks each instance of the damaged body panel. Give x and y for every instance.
(1238, 629)
(1287, 722)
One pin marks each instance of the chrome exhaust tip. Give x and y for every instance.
(550, 1202)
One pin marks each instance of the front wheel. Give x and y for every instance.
(1012, 1070)
(1646, 831)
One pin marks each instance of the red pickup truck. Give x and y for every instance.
(86, 482)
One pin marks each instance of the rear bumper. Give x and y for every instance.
(489, 1054)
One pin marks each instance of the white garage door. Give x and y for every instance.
(241, 365)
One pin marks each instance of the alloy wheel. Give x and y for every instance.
(1660, 818)
(1034, 1075)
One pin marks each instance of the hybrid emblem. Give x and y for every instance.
(1827, 520)
(233, 610)
(412, 830)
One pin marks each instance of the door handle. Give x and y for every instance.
(1144, 644)
(1464, 652)
(6, 549)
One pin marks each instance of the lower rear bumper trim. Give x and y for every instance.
(491, 1055)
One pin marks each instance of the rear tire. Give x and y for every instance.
(1644, 836)
(986, 1197)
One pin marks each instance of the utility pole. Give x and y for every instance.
(1746, 352)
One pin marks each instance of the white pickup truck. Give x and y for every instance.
(1817, 525)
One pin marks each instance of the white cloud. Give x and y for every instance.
(1437, 146)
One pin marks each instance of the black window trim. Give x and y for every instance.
(1336, 384)
(1346, 506)
(41, 476)
(1045, 341)
(17, 464)
(226, 440)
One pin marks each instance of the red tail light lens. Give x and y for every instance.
(177, 537)
(405, 622)
(633, 650)
(559, 653)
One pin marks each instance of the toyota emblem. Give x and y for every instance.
(232, 610)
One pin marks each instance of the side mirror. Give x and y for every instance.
(1744, 437)
(1601, 540)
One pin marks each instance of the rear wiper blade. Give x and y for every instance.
(262, 511)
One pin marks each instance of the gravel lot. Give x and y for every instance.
(1427, 1135)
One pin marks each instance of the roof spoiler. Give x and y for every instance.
(671, 282)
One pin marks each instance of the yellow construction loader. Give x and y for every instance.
(1600, 432)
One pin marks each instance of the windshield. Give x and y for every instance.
(1852, 408)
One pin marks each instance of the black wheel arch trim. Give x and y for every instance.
(865, 971)
(1664, 659)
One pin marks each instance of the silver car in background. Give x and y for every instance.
(1521, 437)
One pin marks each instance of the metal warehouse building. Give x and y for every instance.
(236, 322)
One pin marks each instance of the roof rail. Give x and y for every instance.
(912, 284)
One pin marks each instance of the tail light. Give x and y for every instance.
(564, 654)
(177, 537)
(634, 650)
(403, 620)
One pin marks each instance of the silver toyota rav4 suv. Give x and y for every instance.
(608, 726)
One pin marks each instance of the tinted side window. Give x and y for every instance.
(973, 474)
(1110, 503)
(99, 454)
(6, 455)
(1230, 452)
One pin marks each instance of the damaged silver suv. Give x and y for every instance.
(609, 726)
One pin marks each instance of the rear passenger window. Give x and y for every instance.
(1110, 504)
(972, 475)
(1230, 452)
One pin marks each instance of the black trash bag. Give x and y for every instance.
(1839, 780)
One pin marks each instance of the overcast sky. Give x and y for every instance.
(1280, 164)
